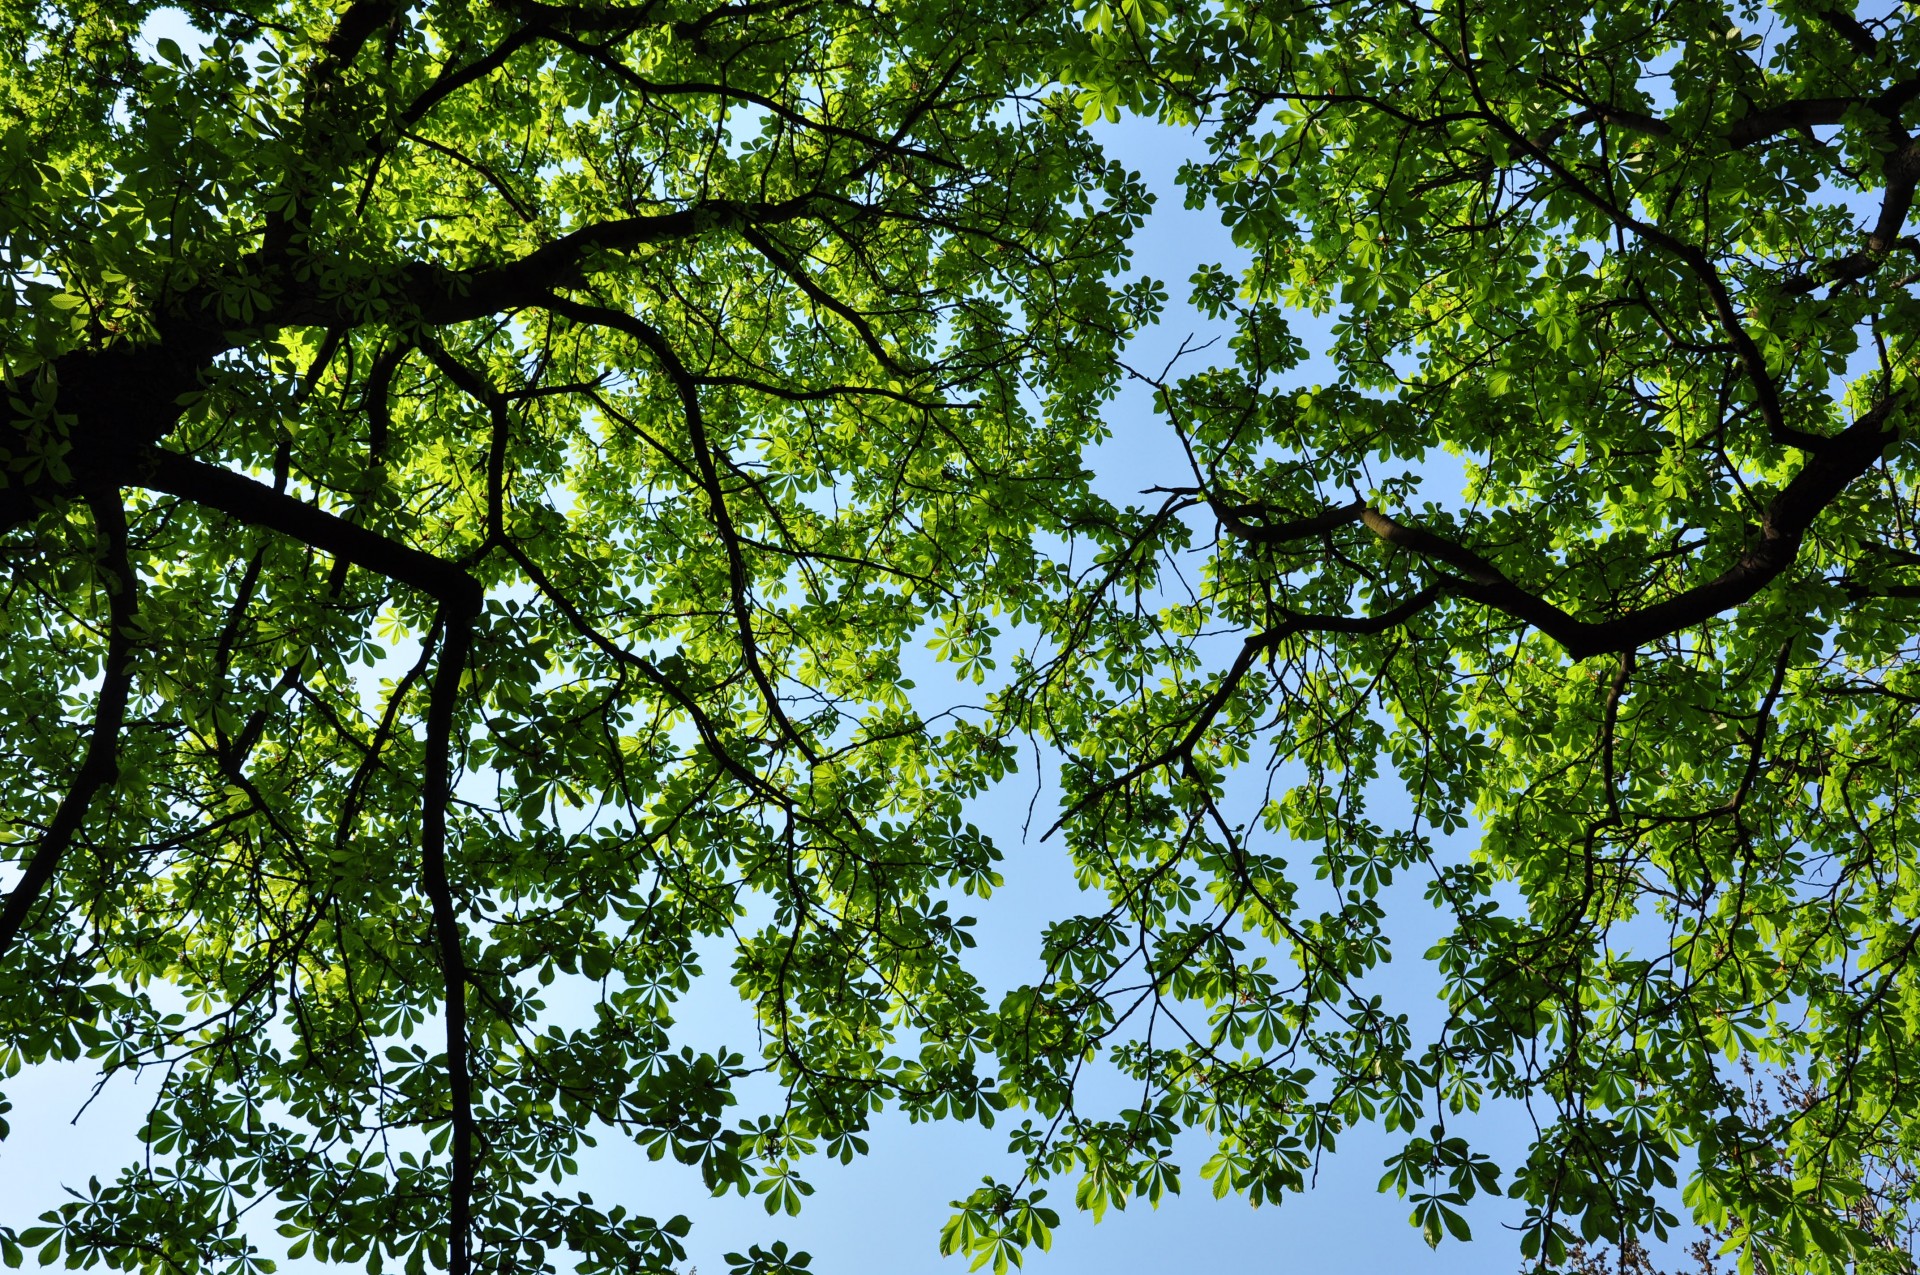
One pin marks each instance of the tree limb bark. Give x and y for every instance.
(437, 792)
(101, 766)
(258, 504)
(1783, 527)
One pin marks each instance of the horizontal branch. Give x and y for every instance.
(446, 296)
(1802, 113)
(259, 505)
(1240, 520)
(1813, 112)
(1782, 529)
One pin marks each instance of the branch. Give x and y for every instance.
(446, 296)
(351, 33)
(460, 599)
(605, 58)
(119, 399)
(1902, 171)
(101, 766)
(688, 389)
(1802, 113)
(1782, 528)
(626, 20)
(459, 595)
(1255, 646)
(258, 504)
(1695, 258)
(437, 793)
(821, 297)
(477, 387)
(492, 178)
(1235, 519)
(703, 723)
(125, 399)
(450, 81)
(1850, 29)
(378, 403)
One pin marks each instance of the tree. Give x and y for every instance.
(1598, 540)
(471, 471)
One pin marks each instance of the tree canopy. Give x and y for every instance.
(474, 471)
(1597, 541)
(470, 471)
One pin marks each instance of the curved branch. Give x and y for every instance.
(482, 391)
(447, 296)
(787, 266)
(1782, 528)
(378, 402)
(703, 722)
(460, 597)
(687, 386)
(604, 57)
(101, 766)
(123, 400)
(1262, 643)
(1238, 520)
(492, 178)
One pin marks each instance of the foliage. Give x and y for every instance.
(471, 470)
(1597, 537)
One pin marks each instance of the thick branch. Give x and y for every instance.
(351, 33)
(124, 399)
(259, 505)
(1850, 29)
(1902, 171)
(460, 597)
(448, 297)
(1782, 528)
(1249, 522)
(1802, 113)
(101, 766)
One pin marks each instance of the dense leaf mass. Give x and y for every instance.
(470, 472)
(1597, 539)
